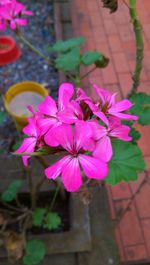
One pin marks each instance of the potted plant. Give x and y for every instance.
(82, 139)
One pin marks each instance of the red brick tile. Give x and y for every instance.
(121, 191)
(109, 75)
(143, 144)
(135, 184)
(114, 88)
(115, 43)
(129, 225)
(142, 202)
(144, 87)
(125, 80)
(136, 253)
(92, 6)
(147, 160)
(146, 229)
(125, 33)
(104, 48)
(99, 34)
(120, 62)
(110, 27)
(146, 61)
(95, 19)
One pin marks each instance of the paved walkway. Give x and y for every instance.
(113, 35)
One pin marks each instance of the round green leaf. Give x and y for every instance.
(126, 163)
(141, 107)
(35, 252)
(52, 221)
(68, 61)
(64, 46)
(38, 216)
(11, 192)
(90, 57)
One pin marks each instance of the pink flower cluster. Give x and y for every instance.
(11, 13)
(82, 129)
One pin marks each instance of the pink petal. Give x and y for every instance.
(50, 137)
(67, 116)
(45, 124)
(27, 146)
(60, 135)
(124, 116)
(102, 116)
(55, 170)
(13, 24)
(48, 107)
(21, 21)
(121, 132)
(66, 92)
(124, 104)
(98, 130)
(103, 149)
(71, 176)
(83, 134)
(27, 13)
(31, 128)
(93, 168)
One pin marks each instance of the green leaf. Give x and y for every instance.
(135, 135)
(35, 252)
(38, 216)
(68, 61)
(52, 221)
(127, 161)
(3, 116)
(64, 46)
(11, 192)
(90, 57)
(141, 107)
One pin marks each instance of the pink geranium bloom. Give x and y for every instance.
(34, 140)
(12, 13)
(103, 137)
(67, 111)
(4, 2)
(75, 141)
(106, 106)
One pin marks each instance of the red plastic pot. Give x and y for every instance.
(9, 51)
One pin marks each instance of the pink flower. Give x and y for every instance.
(12, 13)
(103, 136)
(106, 105)
(29, 144)
(75, 141)
(67, 111)
(4, 2)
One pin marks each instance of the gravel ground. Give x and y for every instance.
(40, 32)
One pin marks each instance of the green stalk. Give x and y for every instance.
(139, 47)
(33, 48)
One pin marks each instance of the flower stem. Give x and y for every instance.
(89, 72)
(33, 48)
(139, 47)
(55, 196)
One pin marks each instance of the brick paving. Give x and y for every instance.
(113, 35)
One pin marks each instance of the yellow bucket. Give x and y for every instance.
(26, 86)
